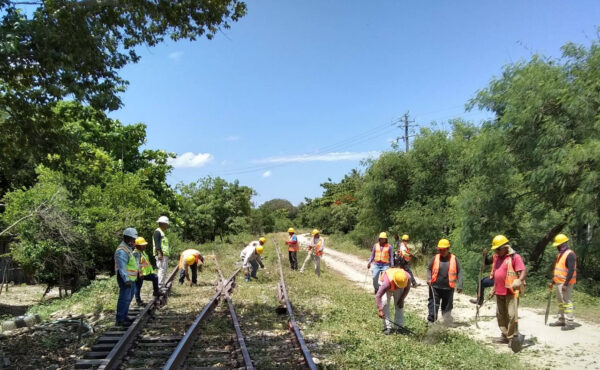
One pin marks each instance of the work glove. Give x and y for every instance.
(551, 285)
(368, 266)
(380, 314)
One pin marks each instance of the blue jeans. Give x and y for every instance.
(140, 282)
(376, 270)
(486, 282)
(125, 297)
(194, 268)
(253, 269)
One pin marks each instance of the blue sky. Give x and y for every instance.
(299, 91)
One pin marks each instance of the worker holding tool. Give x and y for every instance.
(293, 247)
(394, 283)
(146, 270)
(193, 259)
(251, 258)
(509, 274)
(402, 256)
(565, 277)
(126, 268)
(161, 249)
(382, 255)
(316, 246)
(443, 276)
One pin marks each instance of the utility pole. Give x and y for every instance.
(407, 124)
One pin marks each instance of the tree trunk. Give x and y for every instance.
(540, 246)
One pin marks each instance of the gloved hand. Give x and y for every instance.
(551, 285)
(380, 314)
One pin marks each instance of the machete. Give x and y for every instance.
(481, 267)
(548, 304)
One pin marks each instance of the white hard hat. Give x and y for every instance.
(130, 232)
(163, 220)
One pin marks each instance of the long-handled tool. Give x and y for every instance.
(481, 267)
(516, 343)
(434, 306)
(548, 304)
(401, 328)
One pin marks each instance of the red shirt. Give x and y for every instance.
(501, 269)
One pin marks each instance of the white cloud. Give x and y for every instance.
(189, 160)
(267, 174)
(325, 157)
(176, 55)
(232, 138)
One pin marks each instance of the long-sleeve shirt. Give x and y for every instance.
(157, 241)
(442, 279)
(249, 254)
(381, 248)
(383, 288)
(122, 258)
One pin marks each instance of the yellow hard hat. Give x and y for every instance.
(443, 244)
(400, 279)
(383, 235)
(259, 249)
(498, 241)
(291, 230)
(315, 232)
(190, 259)
(262, 240)
(141, 241)
(560, 239)
(405, 237)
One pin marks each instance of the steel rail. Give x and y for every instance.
(114, 358)
(293, 326)
(236, 323)
(186, 343)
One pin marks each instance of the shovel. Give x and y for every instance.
(548, 305)
(516, 343)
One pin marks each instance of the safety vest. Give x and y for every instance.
(511, 274)
(561, 270)
(186, 253)
(452, 271)
(406, 254)
(318, 247)
(132, 265)
(390, 274)
(293, 244)
(145, 266)
(164, 243)
(382, 255)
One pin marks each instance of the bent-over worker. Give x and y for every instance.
(251, 258)
(193, 259)
(394, 283)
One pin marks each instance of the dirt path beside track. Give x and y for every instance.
(550, 347)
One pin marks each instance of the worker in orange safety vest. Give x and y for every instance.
(565, 277)
(402, 257)
(293, 248)
(443, 276)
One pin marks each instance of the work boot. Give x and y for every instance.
(156, 293)
(247, 279)
(387, 331)
(567, 327)
(557, 323)
(140, 302)
(501, 340)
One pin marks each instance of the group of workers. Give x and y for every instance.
(392, 275)
(390, 269)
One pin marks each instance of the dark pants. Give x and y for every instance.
(125, 297)
(194, 269)
(443, 297)
(293, 260)
(486, 282)
(406, 266)
(140, 281)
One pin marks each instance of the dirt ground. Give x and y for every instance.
(19, 298)
(547, 347)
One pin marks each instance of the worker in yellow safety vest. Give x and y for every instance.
(193, 259)
(127, 269)
(565, 277)
(146, 270)
(316, 246)
(443, 276)
(162, 250)
(508, 272)
(393, 283)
